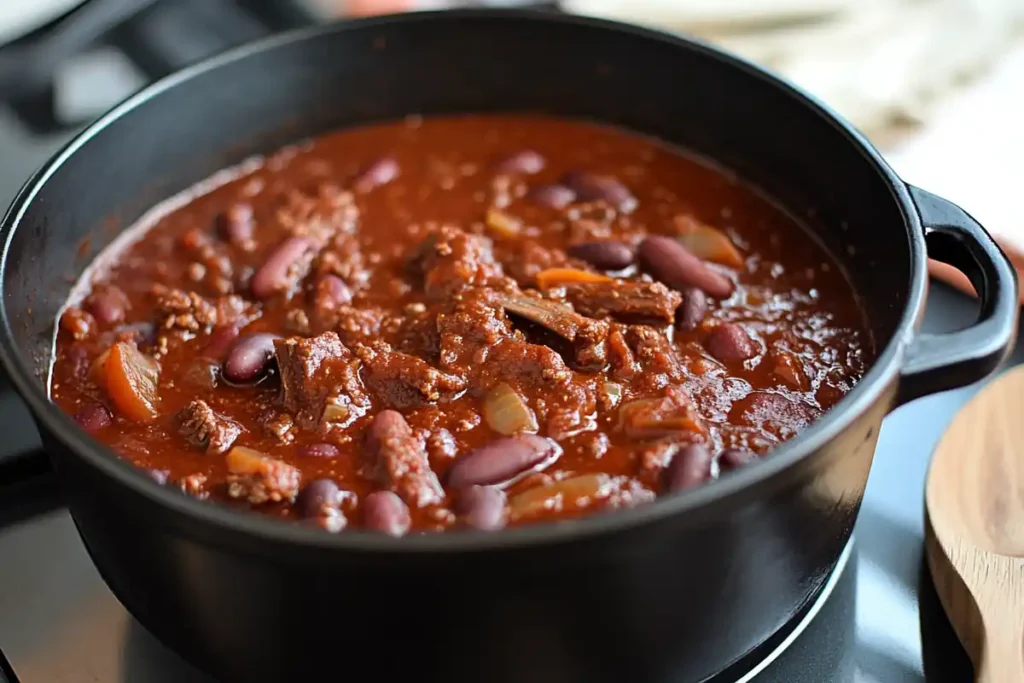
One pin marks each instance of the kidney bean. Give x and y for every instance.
(689, 467)
(236, 225)
(733, 458)
(593, 187)
(728, 342)
(481, 507)
(320, 450)
(692, 310)
(159, 476)
(501, 460)
(331, 292)
(273, 276)
(94, 417)
(381, 172)
(552, 196)
(668, 261)
(221, 341)
(526, 162)
(318, 498)
(608, 255)
(107, 305)
(250, 358)
(384, 511)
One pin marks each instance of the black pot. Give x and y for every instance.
(677, 590)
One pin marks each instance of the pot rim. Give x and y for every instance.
(740, 486)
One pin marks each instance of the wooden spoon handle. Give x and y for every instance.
(1002, 654)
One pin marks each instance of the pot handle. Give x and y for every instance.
(937, 362)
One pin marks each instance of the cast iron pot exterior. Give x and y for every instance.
(674, 591)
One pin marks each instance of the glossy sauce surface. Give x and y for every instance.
(459, 322)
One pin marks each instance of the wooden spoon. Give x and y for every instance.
(974, 528)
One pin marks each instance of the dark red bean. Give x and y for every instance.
(331, 292)
(221, 341)
(107, 305)
(250, 358)
(94, 417)
(501, 460)
(608, 255)
(481, 507)
(380, 172)
(689, 467)
(526, 162)
(384, 511)
(729, 343)
(593, 187)
(318, 498)
(236, 225)
(159, 476)
(320, 450)
(552, 196)
(274, 275)
(385, 425)
(668, 261)
(692, 310)
(733, 458)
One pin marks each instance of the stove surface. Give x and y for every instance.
(880, 624)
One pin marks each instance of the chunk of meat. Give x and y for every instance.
(623, 362)
(514, 359)
(204, 428)
(320, 381)
(399, 460)
(452, 260)
(655, 354)
(78, 323)
(571, 411)
(477, 321)
(586, 334)
(624, 298)
(673, 415)
(259, 479)
(189, 312)
(773, 413)
(401, 380)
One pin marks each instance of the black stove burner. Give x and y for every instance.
(158, 36)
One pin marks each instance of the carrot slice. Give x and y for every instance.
(707, 243)
(131, 380)
(553, 277)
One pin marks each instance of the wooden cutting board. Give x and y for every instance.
(974, 535)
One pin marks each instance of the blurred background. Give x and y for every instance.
(936, 84)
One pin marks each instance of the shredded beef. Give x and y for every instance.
(624, 298)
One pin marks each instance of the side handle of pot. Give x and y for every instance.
(937, 362)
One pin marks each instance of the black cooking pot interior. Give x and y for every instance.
(674, 591)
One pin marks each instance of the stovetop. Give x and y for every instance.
(879, 623)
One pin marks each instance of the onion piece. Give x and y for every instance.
(507, 413)
(575, 492)
(503, 224)
(612, 392)
(706, 242)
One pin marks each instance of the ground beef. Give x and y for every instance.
(358, 325)
(401, 380)
(656, 355)
(399, 460)
(204, 428)
(320, 381)
(476, 321)
(513, 358)
(179, 310)
(259, 478)
(320, 216)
